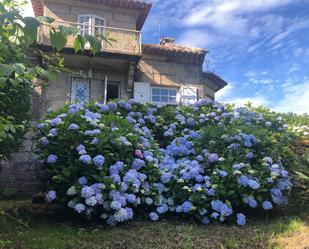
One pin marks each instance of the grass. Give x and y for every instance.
(31, 226)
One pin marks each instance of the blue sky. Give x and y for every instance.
(261, 47)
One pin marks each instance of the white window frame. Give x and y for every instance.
(168, 96)
(91, 26)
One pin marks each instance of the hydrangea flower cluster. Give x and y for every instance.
(206, 160)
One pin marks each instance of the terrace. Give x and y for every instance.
(127, 41)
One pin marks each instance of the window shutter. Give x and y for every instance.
(188, 94)
(142, 92)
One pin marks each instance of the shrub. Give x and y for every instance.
(206, 160)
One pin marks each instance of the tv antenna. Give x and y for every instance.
(159, 28)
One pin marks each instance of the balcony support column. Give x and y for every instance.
(131, 74)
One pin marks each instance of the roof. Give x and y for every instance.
(219, 82)
(195, 55)
(144, 8)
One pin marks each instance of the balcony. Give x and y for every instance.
(126, 41)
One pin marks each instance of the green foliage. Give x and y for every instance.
(18, 76)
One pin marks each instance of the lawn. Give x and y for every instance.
(26, 225)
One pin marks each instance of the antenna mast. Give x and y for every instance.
(159, 28)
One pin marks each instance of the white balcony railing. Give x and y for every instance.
(126, 40)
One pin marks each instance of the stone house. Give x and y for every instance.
(163, 73)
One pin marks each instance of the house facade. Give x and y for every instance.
(163, 73)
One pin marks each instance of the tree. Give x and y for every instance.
(18, 76)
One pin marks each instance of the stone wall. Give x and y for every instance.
(23, 172)
(66, 13)
(58, 92)
(159, 70)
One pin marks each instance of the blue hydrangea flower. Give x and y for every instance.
(253, 184)
(51, 159)
(95, 141)
(222, 173)
(241, 219)
(166, 177)
(53, 132)
(252, 202)
(162, 209)
(82, 180)
(80, 147)
(153, 216)
(138, 164)
(213, 157)
(44, 141)
(121, 215)
(98, 161)
(186, 206)
(51, 196)
(79, 207)
(131, 198)
(267, 205)
(250, 155)
(104, 108)
(87, 192)
(149, 201)
(86, 159)
(55, 121)
(73, 127)
(112, 106)
(91, 201)
(115, 205)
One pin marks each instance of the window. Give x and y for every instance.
(112, 90)
(91, 24)
(80, 89)
(162, 95)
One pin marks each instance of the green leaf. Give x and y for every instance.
(68, 30)
(30, 29)
(6, 70)
(58, 39)
(95, 43)
(46, 19)
(79, 43)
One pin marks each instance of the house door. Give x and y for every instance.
(113, 90)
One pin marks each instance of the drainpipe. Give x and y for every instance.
(105, 90)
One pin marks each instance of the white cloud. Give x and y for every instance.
(224, 93)
(197, 38)
(296, 99)
(256, 100)
(294, 68)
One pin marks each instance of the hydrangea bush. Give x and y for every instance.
(206, 160)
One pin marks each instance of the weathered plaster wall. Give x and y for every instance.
(159, 70)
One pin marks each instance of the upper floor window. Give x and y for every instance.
(161, 95)
(91, 24)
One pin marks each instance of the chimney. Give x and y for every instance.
(167, 40)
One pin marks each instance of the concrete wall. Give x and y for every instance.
(68, 11)
(158, 70)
